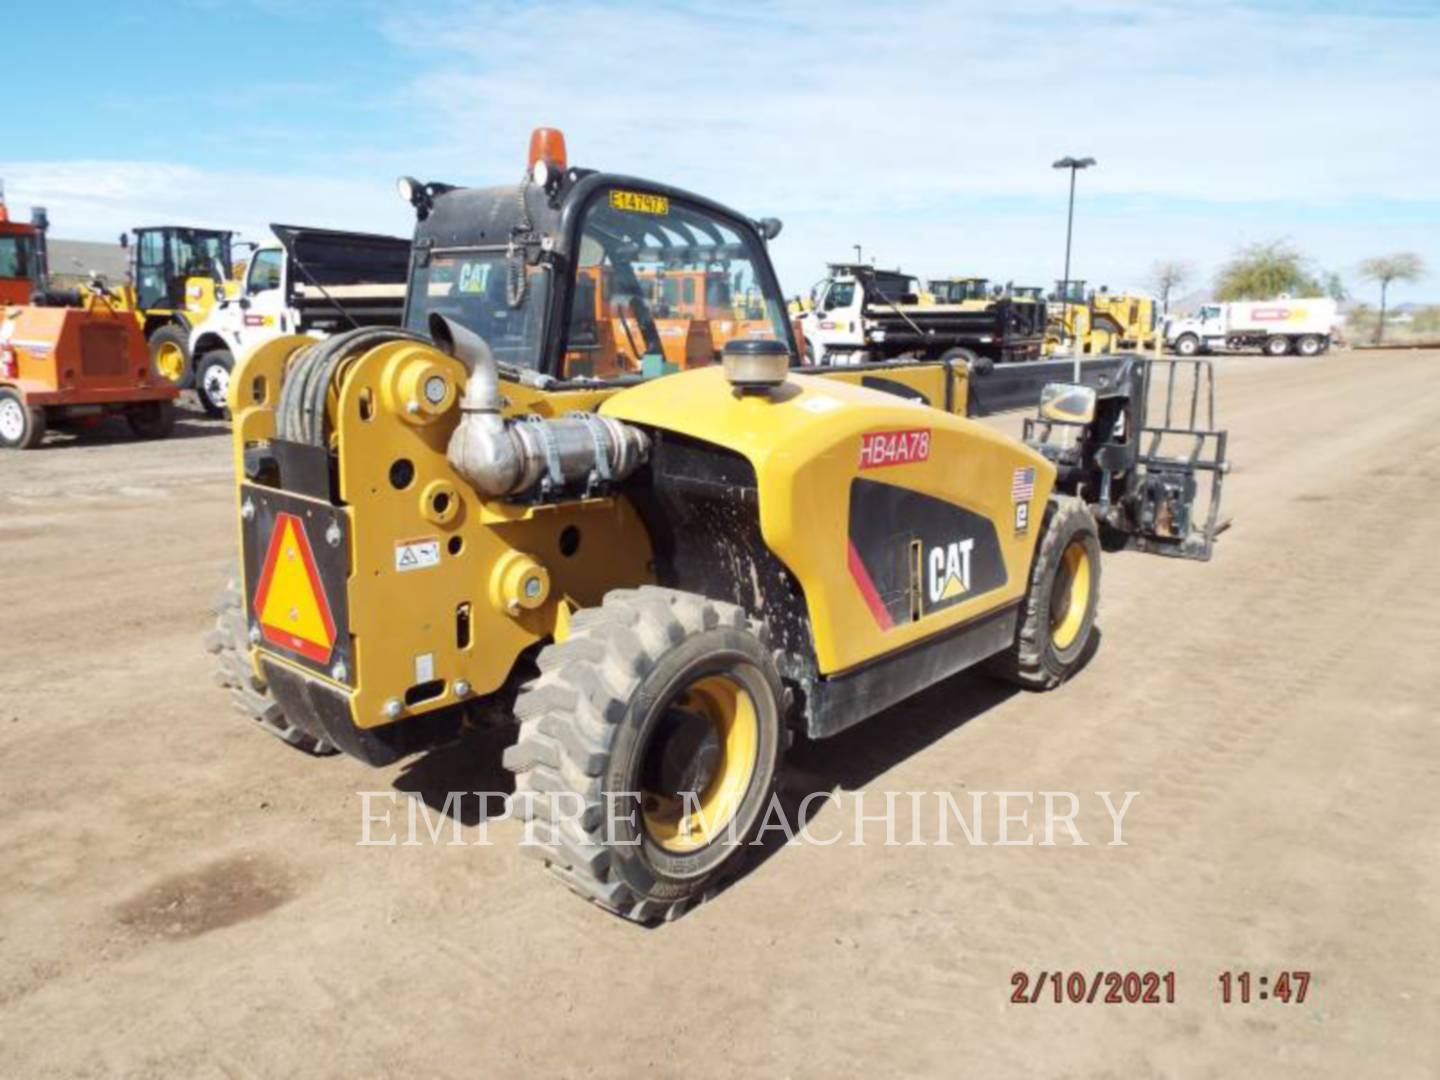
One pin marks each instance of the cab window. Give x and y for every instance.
(661, 286)
(16, 256)
(841, 295)
(265, 271)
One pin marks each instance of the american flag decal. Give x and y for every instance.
(1022, 487)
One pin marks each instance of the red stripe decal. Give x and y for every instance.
(867, 588)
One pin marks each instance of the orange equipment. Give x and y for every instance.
(70, 367)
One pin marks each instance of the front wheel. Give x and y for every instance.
(1058, 618)
(1277, 346)
(22, 426)
(169, 353)
(1187, 345)
(212, 381)
(649, 749)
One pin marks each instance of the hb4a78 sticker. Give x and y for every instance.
(879, 449)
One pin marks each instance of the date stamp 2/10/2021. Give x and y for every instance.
(1103, 987)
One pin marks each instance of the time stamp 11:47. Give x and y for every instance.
(1152, 987)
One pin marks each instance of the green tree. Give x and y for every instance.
(1263, 272)
(1334, 287)
(1401, 266)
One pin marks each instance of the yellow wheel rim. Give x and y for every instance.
(1070, 598)
(170, 361)
(682, 821)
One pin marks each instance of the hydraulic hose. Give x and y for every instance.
(300, 413)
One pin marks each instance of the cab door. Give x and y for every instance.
(263, 313)
(837, 321)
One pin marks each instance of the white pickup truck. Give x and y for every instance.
(316, 282)
(1303, 325)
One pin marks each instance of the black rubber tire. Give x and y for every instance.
(172, 334)
(32, 429)
(586, 723)
(151, 420)
(1276, 345)
(1033, 662)
(216, 359)
(1187, 345)
(230, 644)
(1309, 345)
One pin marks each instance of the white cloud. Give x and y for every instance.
(99, 199)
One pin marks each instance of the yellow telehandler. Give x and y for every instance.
(661, 572)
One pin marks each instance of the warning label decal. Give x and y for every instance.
(417, 554)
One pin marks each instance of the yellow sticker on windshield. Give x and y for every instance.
(638, 202)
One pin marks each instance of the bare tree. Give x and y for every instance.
(1168, 275)
(1401, 266)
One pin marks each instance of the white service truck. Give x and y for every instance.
(316, 282)
(1303, 325)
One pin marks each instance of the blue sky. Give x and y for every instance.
(922, 131)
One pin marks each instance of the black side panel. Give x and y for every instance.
(700, 505)
(912, 555)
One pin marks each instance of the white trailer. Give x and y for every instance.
(1303, 325)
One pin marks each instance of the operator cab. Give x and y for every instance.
(164, 256)
(582, 275)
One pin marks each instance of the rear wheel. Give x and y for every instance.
(1277, 345)
(212, 381)
(1059, 613)
(229, 642)
(1308, 345)
(1187, 345)
(151, 420)
(169, 355)
(22, 426)
(649, 749)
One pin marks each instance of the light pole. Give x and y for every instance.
(1074, 165)
(858, 260)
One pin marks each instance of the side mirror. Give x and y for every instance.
(1068, 403)
(124, 239)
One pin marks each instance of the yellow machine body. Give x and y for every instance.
(462, 623)
(806, 442)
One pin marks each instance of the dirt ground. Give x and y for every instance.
(184, 896)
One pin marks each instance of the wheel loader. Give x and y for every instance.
(659, 577)
(177, 276)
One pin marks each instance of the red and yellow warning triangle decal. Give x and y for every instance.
(290, 602)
